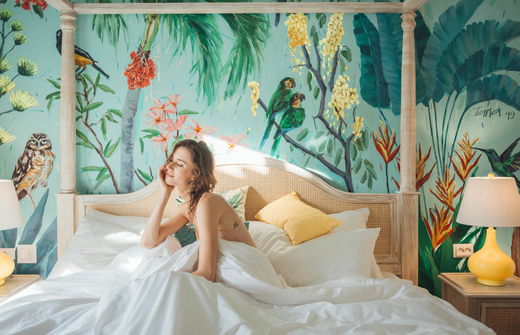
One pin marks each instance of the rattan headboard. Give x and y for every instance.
(269, 180)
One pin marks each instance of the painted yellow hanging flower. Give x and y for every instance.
(254, 96)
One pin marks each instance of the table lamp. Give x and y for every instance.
(490, 202)
(10, 217)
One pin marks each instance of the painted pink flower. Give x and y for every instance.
(162, 140)
(170, 125)
(162, 106)
(201, 132)
(174, 100)
(234, 141)
(156, 117)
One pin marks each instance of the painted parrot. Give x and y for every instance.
(292, 118)
(506, 164)
(81, 57)
(279, 102)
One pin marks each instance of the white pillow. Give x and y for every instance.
(94, 245)
(352, 220)
(135, 224)
(346, 254)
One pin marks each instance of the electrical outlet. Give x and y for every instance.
(9, 252)
(26, 253)
(462, 250)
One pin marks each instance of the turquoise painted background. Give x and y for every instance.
(224, 111)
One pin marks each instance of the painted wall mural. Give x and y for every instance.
(319, 91)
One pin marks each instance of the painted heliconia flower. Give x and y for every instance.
(445, 189)
(464, 167)
(441, 226)
(140, 71)
(420, 167)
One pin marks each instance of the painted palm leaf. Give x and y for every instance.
(475, 38)
(34, 224)
(449, 24)
(391, 37)
(494, 87)
(373, 86)
(481, 64)
(112, 26)
(251, 32)
(202, 33)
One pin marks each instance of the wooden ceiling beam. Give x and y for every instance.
(410, 6)
(237, 8)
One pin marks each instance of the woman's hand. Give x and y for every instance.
(161, 175)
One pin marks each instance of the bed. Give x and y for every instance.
(106, 283)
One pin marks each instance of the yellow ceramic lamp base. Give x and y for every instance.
(490, 264)
(6, 267)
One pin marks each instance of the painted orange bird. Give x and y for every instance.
(81, 57)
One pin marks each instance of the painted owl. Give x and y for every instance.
(34, 166)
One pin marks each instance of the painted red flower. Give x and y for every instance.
(140, 71)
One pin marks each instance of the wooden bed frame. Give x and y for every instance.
(398, 255)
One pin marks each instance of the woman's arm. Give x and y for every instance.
(155, 233)
(207, 227)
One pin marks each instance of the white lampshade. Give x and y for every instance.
(490, 202)
(10, 211)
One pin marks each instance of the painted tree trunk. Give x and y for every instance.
(127, 140)
(515, 250)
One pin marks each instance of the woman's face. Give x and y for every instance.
(179, 171)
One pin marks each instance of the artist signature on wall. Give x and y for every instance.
(490, 112)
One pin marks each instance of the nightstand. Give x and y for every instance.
(498, 307)
(15, 284)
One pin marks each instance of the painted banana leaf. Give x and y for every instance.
(373, 86)
(494, 87)
(481, 64)
(425, 261)
(473, 40)
(44, 247)
(449, 25)
(391, 38)
(34, 224)
(8, 238)
(422, 34)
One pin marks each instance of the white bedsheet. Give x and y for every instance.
(150, 292)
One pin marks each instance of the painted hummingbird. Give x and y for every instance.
(505, 164)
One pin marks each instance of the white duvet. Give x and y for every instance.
(151, 292)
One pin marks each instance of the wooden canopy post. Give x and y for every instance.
(410, 196)
(66, 197)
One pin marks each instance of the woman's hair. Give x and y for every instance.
(203, 168)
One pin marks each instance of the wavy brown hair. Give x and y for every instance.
(203, 168)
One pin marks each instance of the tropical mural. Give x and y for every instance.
(321, 91)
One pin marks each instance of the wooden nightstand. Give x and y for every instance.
(498, 307)
(15, 284)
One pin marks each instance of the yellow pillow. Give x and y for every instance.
(300, 221)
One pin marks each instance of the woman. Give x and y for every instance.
(190, 169)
